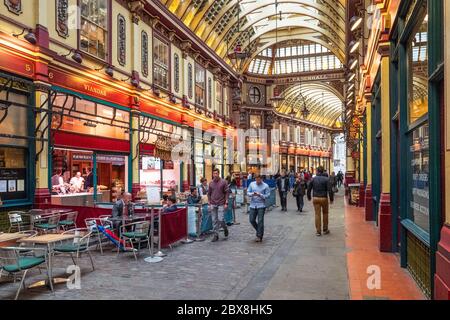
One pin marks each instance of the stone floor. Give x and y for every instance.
(291, 263)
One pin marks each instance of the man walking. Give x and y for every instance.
(258, 191)
(283, 189)
(299, 192)
(218, 192)
(321, 187)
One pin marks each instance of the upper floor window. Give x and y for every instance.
(94, 22)
(199, 85)
(160, 63)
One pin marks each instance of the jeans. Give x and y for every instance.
(283, 199)
(217, 213)
(257, 213)
(300, 202)
(321, 208)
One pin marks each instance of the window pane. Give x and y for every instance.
(418, 73)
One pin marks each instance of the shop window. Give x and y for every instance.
(76, 168)
(199, 85)
(418, 72)
(160, 63)
(94, 22)
(255, 121)
(16, 122)
(13, 173)
(86, 117)
(419, 177)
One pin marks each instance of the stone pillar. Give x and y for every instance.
(42, 193)
(368, 194)
(385, 212)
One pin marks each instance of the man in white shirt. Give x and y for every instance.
(77, 182)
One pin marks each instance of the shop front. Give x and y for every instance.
(419, 104)
(157, 166)
(90, 150)
(17, 147)
(302, 155)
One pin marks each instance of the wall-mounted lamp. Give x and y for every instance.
(75, 57)
(109, 70)
(30, 36)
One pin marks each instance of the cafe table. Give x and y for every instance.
(48, 240)
(6, 239)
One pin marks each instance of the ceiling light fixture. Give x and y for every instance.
(354, 45)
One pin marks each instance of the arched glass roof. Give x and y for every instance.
(305, 56)
(324, 103)
(260, 24)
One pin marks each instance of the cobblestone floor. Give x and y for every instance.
(291, 263)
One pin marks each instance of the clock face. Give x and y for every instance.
(254, 94)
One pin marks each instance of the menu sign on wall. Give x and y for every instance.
(12, 184)
(419, 169)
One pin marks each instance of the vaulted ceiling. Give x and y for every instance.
(263, 26)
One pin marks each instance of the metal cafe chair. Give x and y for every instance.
(16, 221)
(136, 232)
(48, 224)
(70, 219)
(91, 224)
(13, 260)
(76, 246)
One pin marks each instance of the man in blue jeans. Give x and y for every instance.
(258, 191)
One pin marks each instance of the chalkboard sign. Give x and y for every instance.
(13, 183)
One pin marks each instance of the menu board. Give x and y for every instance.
(151, 163)
(419, 170)
(12, 183)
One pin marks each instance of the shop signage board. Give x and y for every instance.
(12, 183)
(87, 86)
(16, 64)
(153, 195)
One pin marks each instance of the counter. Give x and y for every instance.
(84, 199)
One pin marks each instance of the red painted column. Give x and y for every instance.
(362, 197)
(385, 223)
(42, 197)
(442, 275)
(368, 203)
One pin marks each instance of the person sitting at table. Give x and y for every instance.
(164, 200)
(77, 182)
(194, 197)
(122, 207)
(171, 205)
